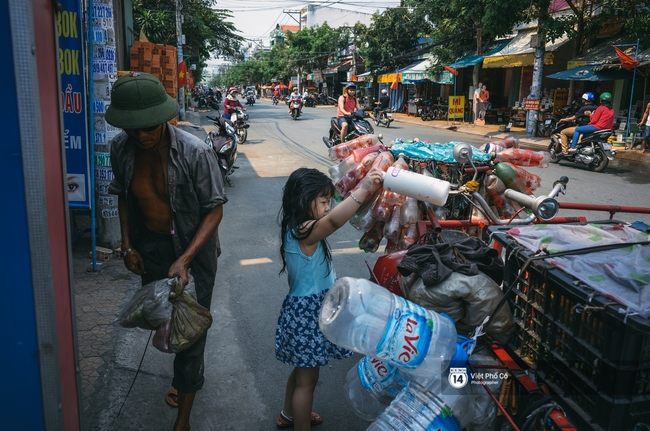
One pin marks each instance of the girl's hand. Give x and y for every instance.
(373, 179)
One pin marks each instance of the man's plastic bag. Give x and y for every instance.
(149, 307)
(189, 319)
(169, 308)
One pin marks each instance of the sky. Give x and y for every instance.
(255, 19)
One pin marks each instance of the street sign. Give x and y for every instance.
(70, 32)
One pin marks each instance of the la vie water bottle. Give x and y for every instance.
(371, 385)
(420, 408)
(366, 318)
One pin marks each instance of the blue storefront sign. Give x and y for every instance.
(73, 102)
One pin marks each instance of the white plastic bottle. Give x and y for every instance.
(366, 318)
(417, 408)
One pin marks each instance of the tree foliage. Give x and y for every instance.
(390, 35)
(207, 31)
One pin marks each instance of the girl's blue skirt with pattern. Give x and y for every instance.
(298, 340)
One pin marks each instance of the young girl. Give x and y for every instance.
(306, 222)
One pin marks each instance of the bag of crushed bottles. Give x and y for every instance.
(169, 308)
(149, 307)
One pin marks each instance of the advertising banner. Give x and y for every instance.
(73, 102)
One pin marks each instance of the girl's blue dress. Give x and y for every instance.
(298, 340)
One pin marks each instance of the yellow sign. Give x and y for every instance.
(456, 107)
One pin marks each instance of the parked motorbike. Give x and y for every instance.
(224, 143)
(593, 150)
(384, 118)
(360, 126)
(310, 102)
(546, 123)
(238, 120)
(295, 108)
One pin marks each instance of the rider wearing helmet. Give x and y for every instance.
(231, 103)
(348, 103)
(581, 118)
(384, 102)
(601, 119)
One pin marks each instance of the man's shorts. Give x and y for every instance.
(342, 120)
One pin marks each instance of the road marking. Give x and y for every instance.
(258, 261)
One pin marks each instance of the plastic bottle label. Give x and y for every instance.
(375, 375)
(407, 337)
(411, 413)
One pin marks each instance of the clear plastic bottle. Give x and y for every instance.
(345, 149)
(420, 408)
(359, 153)
(498, 146)
(364, 317)
(409, 214)
(517, 178)
(383, 161)
(371, 385)
(496, 190)
(370, 240)
(354, 175)
(521, 157)
(392, 229)
(408, 237)
(339, 170)
(363, 219)
(383, 209)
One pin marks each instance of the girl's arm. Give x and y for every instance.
(336, 218)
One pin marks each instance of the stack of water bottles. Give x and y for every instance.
(402, 382)
(393, 212)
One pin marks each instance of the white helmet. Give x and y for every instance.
(384, 91)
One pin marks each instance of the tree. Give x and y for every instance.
(207, 31)
(390, 35)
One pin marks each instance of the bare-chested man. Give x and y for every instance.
(170, 196)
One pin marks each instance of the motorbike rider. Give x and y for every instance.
(276, 93)
(581, 118)
(295, 96)
(231, 103)
(384, 102)
(348, 103)
(601, 119)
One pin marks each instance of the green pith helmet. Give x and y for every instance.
(138, 101)
(606, 96)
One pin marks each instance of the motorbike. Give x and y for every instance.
(546, 123)
(238, 120)
(224, 143)
(295, 108)
(310, 102)
(213, 103)
(274, 100)
(384, 118)
(593, 150)
(250, 99)
(360, 126)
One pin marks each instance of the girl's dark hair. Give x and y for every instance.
(302, 188)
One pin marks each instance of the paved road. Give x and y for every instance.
(244, 382)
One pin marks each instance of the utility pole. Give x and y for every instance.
(538, 67)
(299, 21)
(179, 54)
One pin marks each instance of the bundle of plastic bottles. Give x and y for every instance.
(402, 383)
(394, 216)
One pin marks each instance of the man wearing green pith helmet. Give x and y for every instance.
(170, 196)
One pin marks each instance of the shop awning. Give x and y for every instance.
(604, 53)
(473, 59)
(342, 66)
(518, 52)
(591, 73)
(415, 72)
(389, 78)
(364, 76)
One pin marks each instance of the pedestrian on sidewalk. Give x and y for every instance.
(306, 222)
(170, 196)
(484, 97)
(645, 120)
(477, 101)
